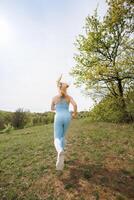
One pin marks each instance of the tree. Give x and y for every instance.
(20, 118)
(104, 64)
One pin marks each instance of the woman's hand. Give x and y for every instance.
(58, 81)
(74, 115)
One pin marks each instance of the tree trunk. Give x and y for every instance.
(126, 116)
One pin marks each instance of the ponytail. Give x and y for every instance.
(62, 93)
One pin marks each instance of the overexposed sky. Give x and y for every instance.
(36, 45)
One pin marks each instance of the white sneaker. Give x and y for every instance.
(60, 161)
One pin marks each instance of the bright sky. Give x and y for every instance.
(36, 45)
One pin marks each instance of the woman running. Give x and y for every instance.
(60, 105)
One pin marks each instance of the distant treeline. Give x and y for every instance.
(21, 118)
(108, 110)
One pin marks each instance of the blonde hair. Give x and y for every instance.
(59, 85)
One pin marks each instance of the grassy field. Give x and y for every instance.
(99, 163)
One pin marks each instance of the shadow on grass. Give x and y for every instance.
(118, 181)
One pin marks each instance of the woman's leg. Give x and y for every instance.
(65, 127)
(58, 134)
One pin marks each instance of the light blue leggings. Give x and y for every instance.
(62, 120)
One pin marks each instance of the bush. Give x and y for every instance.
(109, 110)
(19, 119)
(7, 129)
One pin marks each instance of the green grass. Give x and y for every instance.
(98, 163)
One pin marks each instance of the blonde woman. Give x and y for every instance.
(60, 105)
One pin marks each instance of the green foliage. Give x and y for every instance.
(20, 118)
(5, 118)
(130, 102)
(8, 128)
(108, 109)
(83, 114)
(104, 62)
(42, 118)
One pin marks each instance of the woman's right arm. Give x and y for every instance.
(74, 104)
